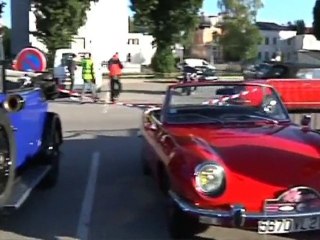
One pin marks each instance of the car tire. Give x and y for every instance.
(144, 162)
(52, 159)
(180, 224)
(51, 153)
(8, 152)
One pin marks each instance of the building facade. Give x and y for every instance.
(140, 48)
(100, 35)
(301, 49)
(273, 37)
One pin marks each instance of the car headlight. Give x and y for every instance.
(210, 178)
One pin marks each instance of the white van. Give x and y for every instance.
(197, 62)
(60, 70)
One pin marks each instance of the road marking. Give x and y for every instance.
(87, 204)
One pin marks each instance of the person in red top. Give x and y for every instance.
(115, 71)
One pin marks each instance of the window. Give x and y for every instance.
(266, 56)
(259, 55)
(274, 41)
(133, 41)
(266, 41)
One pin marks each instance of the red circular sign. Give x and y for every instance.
(31, 60)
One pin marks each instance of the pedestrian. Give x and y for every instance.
(72, 67)
(115, 71)
(88, 77)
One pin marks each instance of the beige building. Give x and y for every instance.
(205, 40)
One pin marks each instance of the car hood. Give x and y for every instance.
(270, 157)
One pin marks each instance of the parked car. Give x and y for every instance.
(297, 84)
(201, 73)
(195, 62)
(222, 159)
(256, 71)
(30, 141)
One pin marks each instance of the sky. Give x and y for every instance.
(278, 11)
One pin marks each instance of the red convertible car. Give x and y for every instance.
(223, 157)
(297, 84)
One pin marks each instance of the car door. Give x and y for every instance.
(313, 89)
(28, 123)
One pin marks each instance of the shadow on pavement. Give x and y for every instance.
(151, 92)
(128, 205)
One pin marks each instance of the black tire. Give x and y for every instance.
(180, 224)
(145, 167)
(51, 152)
(8, 153)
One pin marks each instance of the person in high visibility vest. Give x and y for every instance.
(88, 77)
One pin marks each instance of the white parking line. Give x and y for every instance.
(88, 200)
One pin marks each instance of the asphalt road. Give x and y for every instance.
(102, 193)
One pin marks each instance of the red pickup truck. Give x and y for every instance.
(297, 84)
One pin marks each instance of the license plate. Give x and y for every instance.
(288, 225)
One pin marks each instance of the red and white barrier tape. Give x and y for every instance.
(234, 96)
(71, 93)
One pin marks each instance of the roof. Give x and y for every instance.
(270, 26)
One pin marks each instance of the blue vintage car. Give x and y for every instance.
(30, 140)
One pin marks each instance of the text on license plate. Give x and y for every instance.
(288, 225)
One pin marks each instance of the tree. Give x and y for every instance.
(2, 5)
(7, 42)
(300, 27)
(58, 21)
(169, 22)
(240, 37)
(316, 20)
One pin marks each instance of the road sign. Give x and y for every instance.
(31, 60)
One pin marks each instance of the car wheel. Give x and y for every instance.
(52, 158)
(180, 224)
(144, 162)
(7, 158)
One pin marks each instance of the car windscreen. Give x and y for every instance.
(216, 103)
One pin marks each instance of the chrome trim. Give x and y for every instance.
(236, 217)
(199, 169)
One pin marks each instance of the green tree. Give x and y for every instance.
(58, 21)
(300, 27)
(241, 37)
(166, 20)
(7, 42)
(316, 20)
(2, 5)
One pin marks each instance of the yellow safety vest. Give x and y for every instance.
(87, 70)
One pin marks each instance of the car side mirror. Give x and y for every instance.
(305, 121)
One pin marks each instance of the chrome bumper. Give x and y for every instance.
(236, 217)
